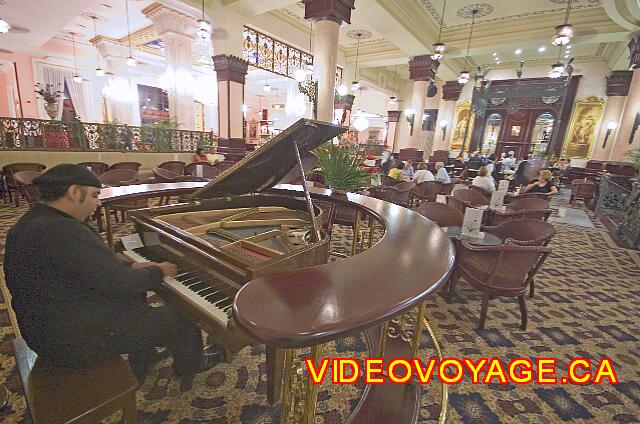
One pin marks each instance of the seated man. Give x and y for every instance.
(442, 174)
(76, 303)
(423, 174)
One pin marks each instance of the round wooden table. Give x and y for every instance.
(488, 239)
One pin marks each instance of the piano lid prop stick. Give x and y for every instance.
(314, 224)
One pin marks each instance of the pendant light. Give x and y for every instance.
(204, 26)
(4, 26)
(355, 85)
(439, 47)
(267, 87)
(76, 76)
(464, 75)
(557, 69)
(393, 99)
(99, 71)
(301, 74)
(564, 32)
(131, 61)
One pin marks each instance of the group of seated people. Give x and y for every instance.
(404, 171)
(543, 184)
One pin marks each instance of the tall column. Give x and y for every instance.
(393, 116)
(327, 16)
(447, 114)
(421, 70)
(231, 72)
(631, 111)
(121, 93)
(617, 90)
(177, 31)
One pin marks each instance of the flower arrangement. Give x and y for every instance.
(48, 93)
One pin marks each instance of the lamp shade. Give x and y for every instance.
(361, 123)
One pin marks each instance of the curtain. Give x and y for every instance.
(55, 77)
(77, 92)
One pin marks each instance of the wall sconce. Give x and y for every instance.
(410, 115)
(610, 127)
(443, 126)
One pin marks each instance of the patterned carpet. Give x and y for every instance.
(587, 304)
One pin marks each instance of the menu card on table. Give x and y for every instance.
(199, 171)
(497, 200)
(472, 222)
(503, 185)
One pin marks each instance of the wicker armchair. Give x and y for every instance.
(459, 205)
(98, 168)
(503, 270)
(126, 165)
(426, 191)
(10, 169)
(24, 183)
(441, 214)
(528, 203)
(509, 199)
(446, 188)
(385, 193)
(497, 217)
(526, 232)
(190, 169)
(161, 175)
(386, 180)
(582, 189)
(175, 166)
(486, 193)
(120, 177)
(471, 197)
(405, 193)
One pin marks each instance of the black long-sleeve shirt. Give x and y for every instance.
(67, 285)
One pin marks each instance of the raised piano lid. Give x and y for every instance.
(269, 164)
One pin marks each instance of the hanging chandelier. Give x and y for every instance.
(76, 76)
(393, 99)
(557, 69)
(355, 85)
(464, 75)
(131, 61)
(4, 26)
(564, 32)
(439, 47)
(204, 26)
(99, 71)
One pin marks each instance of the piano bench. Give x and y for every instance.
(76, 395)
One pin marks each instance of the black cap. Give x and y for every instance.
(67, 174)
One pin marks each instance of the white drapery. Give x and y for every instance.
(77, 92)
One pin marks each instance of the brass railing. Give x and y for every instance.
(39, 134)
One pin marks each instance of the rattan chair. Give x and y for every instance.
(135, 166)
(10, 169)
(120, 177)
(385, 193)
(24, 183)
(503, 270)
(405, 193)
(446, 188)
(175, 166)
(528, 203)
(98, 168)
(526, 232)
(441, 214)
(426, 191)
(584, 190)
(486, 193)
(471, 197)
(459, 205)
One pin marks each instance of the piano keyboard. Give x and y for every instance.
(206, 294)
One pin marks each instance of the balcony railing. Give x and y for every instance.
(39, 134)
(622, 207)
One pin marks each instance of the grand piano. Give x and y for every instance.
(229, 233)
(253, 269)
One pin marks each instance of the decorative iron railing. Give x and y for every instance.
(39, 134)
(622, 206)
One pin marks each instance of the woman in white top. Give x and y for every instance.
(422, 174)
(483, 180)
(442, 174)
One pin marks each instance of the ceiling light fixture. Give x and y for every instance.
(131, 61)
(76, 76)
(564, 32)
(439, 48)
(204, 26)
(542, 49)
(355, 85)
(518, 51)
(464, 75)
(557, 69)
(99, 71)
(392, 99)
(4, 26)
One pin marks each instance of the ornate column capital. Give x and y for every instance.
(338, 11)
(634, 52)
(451, 90)
(618, 83)
(393, 115)
(230, 68)
(168, 21)
(109, 48)
(423, 68)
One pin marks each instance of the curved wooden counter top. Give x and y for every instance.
(135, 191)
(314, 305)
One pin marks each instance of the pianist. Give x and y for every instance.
(76, 302)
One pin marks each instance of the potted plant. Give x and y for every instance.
(50, 97)
(340, 166)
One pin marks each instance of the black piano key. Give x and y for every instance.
(224, 303)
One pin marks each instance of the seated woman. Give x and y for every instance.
(423, 174)
(408, 170)
(396, 171)
(484, 180)
(200, 156)
(544, 184)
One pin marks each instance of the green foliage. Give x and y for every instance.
(634, 157)
(339, 165)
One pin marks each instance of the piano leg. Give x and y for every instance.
(275, 361)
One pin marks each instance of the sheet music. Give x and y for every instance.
(472, 222)
(132, 241)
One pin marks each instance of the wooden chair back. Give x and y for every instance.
(97, 168)
(126, 165)
(442, 214)
(175, 166)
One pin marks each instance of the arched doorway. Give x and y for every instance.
(491, 132)
(541, 134)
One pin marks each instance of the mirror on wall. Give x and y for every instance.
(491, 133)
(541, 135)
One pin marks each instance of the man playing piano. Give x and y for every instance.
(75, 301)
